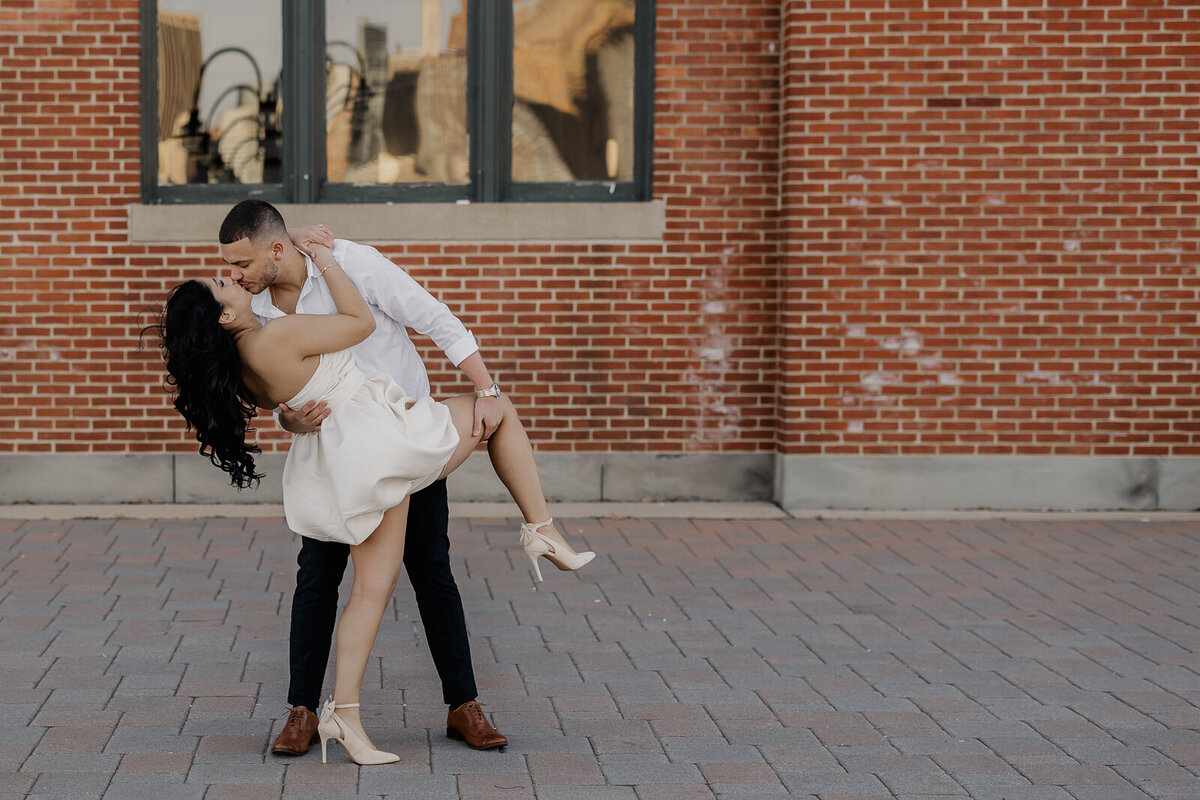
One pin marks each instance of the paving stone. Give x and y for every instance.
(149, 740)
(505, 786)
(1071, 774)
(718, 773)
(696, 659)
(1126, 792)
(64, 739)
(71, 784)
(833, 784)
(252, 772)
(920, 782)
(697, 750)
(236, 791)
(155, 764)
(732, 791)
(661, 791)
(152, 787)
(71, 762)
(575, 770)
(15, 783)
(551, 792)
(638, 774)
(1109, 752)
(940, 746)
(1158, 778)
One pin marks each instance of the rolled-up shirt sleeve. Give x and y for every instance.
(394, 292)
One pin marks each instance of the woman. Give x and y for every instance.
(349, 481)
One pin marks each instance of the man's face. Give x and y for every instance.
(253, 267)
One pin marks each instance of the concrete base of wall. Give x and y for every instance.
(1016, 483)
(189, 478)
(1052, 483)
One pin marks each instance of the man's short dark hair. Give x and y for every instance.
(252, 219)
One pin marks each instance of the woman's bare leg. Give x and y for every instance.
(514, 463)
(511, 455)
(377, 564)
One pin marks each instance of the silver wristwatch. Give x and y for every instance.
(491, 391)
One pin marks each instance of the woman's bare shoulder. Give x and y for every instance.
(268, 347)
(275, 367)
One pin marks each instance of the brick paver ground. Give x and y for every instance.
(840, 660)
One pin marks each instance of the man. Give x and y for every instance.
(265, 261)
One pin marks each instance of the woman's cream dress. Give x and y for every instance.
(375, 447)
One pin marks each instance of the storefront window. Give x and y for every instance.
(421, 100)
(219, 117)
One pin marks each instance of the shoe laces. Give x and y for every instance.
(475, 712)
(295, 719)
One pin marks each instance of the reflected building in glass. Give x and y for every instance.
(396, 92)
(573, 73)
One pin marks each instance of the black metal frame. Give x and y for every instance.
(489, 108)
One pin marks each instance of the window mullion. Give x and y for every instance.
(303, 93)
(502, 127)
(643, 100)
(148, 9)
(490, 55)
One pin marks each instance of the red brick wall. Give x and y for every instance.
(668, 347)
(984, 213)
(990, 211)
(69, 379)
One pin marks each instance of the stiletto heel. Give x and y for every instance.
(332, 727)
(561, 555)
(533, 557)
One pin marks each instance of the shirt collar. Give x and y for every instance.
(262, 304)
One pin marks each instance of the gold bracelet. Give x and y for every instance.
(327, 266)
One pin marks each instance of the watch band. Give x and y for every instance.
(491, 391)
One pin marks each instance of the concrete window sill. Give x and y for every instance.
(422, 222)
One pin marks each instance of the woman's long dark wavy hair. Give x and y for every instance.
(205, 377)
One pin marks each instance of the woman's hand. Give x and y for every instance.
(320, 254)
(306, 238)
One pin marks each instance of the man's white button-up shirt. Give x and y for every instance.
(397, 302)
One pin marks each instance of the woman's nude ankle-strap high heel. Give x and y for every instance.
(332, 727)
(540, 545)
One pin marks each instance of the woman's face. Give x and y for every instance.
(230, 295)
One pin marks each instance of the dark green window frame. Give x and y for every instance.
(489, 121)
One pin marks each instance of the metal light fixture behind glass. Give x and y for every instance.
(204, 161)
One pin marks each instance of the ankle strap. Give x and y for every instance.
(533, 527)
(341, 705)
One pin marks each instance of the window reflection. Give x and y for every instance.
(396, 92)
(218, 92)
(573, 82)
